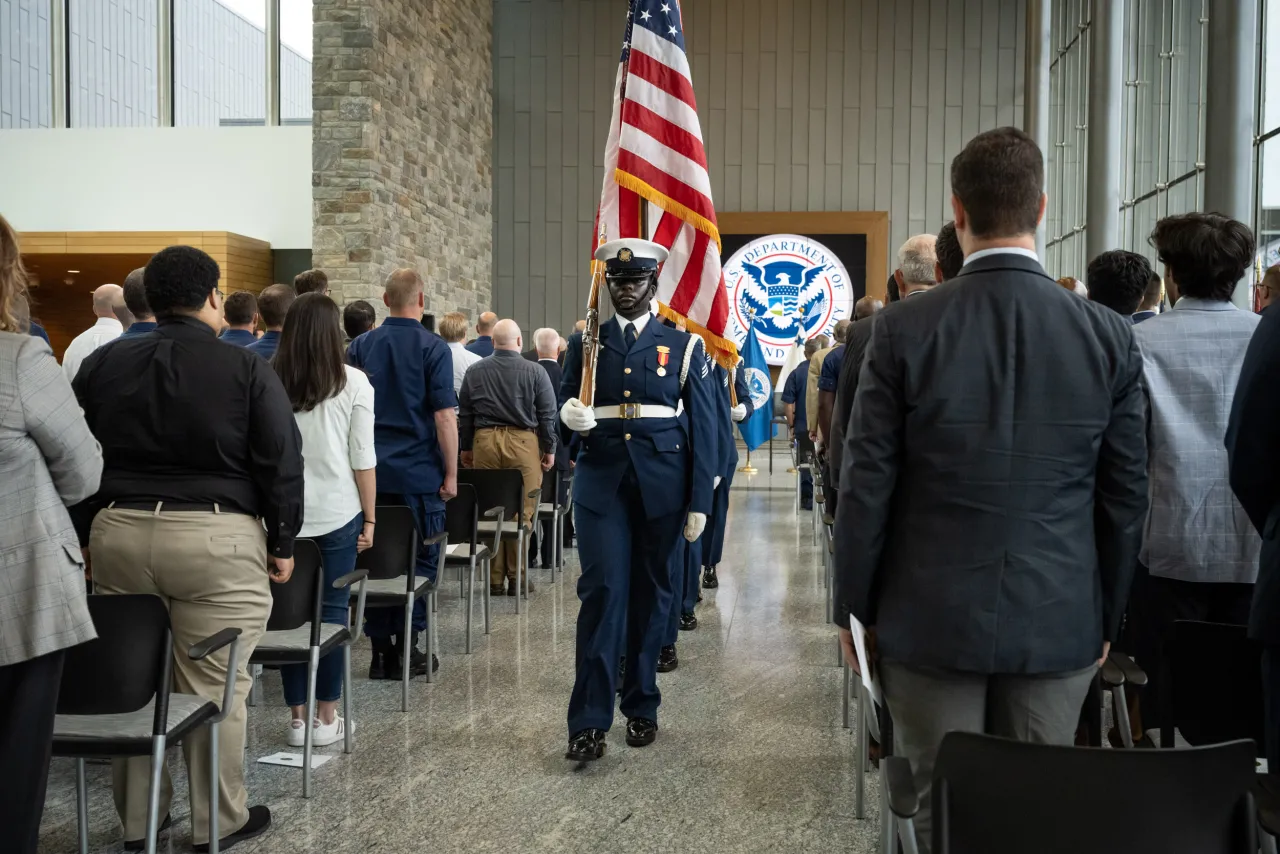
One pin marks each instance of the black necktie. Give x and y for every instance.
(630, 335)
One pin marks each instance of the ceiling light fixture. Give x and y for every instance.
(73, 271)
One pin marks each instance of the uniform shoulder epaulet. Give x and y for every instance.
(694, 344)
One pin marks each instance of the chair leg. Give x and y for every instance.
(907, 833)
(406, 644)
(313, 666)
(346, 697)
(520, 556)
(431, 637)
(214, 785)
(845, 703)
(153, 797)
(888, 823)
(82, 808)
(488, 595)
(471, 597)
(1120, 714)
(1267, 841)
(860, 756)
(255, 672)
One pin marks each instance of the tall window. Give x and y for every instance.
(219, 62)
(1268, 224)
(112, 51)
(295, 61)
(1068, 119)
(25, 72)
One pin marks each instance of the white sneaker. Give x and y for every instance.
(297, 734)
(325, 734)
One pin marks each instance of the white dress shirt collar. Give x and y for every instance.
(641, 322)
(109, 323)
(1008, 250)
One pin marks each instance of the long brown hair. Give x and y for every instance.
(13, 278)
(309, 358)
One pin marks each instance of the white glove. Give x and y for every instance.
(739, 412)
(716, 483)
(694, 526)
(576, 416)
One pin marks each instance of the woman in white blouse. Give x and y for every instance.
(333, 405)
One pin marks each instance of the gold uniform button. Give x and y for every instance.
(626, 394)
(627, 437)
(626, 370)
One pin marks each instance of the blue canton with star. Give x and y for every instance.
(660, 17)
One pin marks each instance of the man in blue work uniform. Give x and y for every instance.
(415, 434)
(793, 397)
(644, 476)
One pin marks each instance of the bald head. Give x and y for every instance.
(484, 325)
(106, 298)
(403, 293)
(506, 335)
(917, 264)
(863, 308)
(579, 326)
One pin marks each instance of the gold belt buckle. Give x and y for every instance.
(629, 410)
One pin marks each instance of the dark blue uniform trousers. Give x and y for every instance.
(685, 566)
(384, 622)
(626, 581)
(713, 536)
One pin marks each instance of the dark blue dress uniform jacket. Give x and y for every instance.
(660, 449)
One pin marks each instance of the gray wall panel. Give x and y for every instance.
(805, 105)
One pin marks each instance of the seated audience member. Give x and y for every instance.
(1199, 557)
(311, 282)
(107, 328)
(1151, 298)
(1119, 280)
(202, 513)
(547, 347)
(358, 318)
(415, 433)
(333, 407)
(990, 520)
(507, 420)
(50, 460)
(918, 269)
(950, 255)
(483, 345)
(793, 394)
(240, 311)
(273, 305)
(135, 297)
(453, 328)
(1268, 287)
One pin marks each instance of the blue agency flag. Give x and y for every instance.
(755, 371)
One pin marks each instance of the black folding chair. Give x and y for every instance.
(996, 796)
(462, 525)
(295, 635)
(116, 700)
(392, 581)
(504, 488)
(553, 511)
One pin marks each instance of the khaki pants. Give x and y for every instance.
(211, 571)
(510, 448)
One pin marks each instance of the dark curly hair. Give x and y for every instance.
(950, 256)
(1118, 279)
(1206, 253)
(179, 279)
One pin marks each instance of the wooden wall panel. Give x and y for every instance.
(806, 105)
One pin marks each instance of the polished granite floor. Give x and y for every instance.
(751, 756)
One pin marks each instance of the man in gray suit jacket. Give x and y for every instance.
(994, 482)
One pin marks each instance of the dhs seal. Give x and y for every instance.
(788, 287)
(758, 385)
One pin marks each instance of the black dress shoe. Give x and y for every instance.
(688, 621)
(709, 579)
(586, 746)
(259, 821)
(385, 663)
(641, 732)
(667, 660)
(141, 844)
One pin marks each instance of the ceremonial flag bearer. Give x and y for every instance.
(644, 477)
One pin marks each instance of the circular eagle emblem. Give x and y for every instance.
(758, 385)
(625, 255)
(788, 287)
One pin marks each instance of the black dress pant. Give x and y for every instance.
(30, 699)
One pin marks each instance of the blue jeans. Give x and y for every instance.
(383, 623)
(338, 551)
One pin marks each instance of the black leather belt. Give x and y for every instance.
(172, 507)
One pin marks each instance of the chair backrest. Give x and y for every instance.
(462, 516)
(551, 486)
(126, 665)
(496, 488)
(395, 544)
(996, 796)
(297, 602)
(1214, 683)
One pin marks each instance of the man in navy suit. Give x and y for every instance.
(645, 475)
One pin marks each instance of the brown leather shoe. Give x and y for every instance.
(497, 590)
(513, 588)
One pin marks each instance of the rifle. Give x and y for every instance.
(591, 333)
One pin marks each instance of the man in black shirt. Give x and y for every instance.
(200, 450)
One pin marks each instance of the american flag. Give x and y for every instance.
(654, 156)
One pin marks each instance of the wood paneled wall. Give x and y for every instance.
(806, 105)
